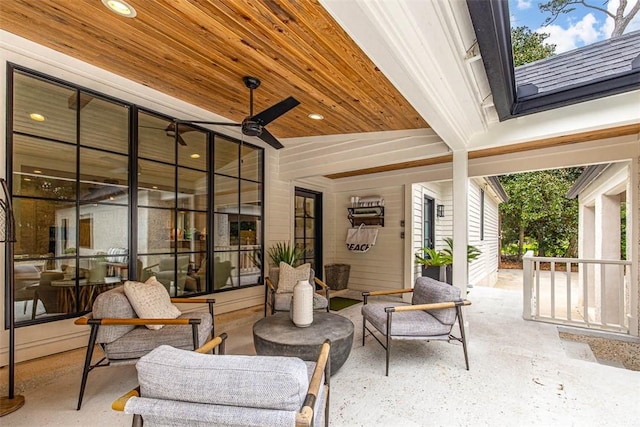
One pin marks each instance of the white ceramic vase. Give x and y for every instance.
(302, 304)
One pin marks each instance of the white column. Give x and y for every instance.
(460, 198)
(586, 249)
(607, 246)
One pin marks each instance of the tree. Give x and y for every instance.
(620, 21)
(539, 209)
(529, 46)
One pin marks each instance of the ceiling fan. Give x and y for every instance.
(170, 130)
(254, 125)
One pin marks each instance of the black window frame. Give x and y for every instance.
(134, 110)
(493, 32)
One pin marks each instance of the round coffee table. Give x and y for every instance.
(276, 335)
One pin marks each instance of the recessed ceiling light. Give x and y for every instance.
(195, 156)
(37, 171)
(121, 8)
(316, 116)
(37, 117)
(155, 187)
(27, 179)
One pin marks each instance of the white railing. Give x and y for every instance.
(595, 296)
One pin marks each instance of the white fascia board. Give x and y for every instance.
(613, 111)
(414, 44)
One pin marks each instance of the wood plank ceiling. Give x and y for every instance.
(198, 51)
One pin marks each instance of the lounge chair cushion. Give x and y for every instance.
(112, 304)
(141, 340)
(404, 324)
(266, 382)
(427, 290)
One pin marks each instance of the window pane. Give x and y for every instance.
(249, 268)
(225, 270)
(192, 189)
(156, 139)
(223, 234)
(169, 270)
(225, 197)
(192, 147)
(156, 185)
(251, 163)
(190, 226)
(104, 124)
(226, 156)
(44, 169)
(43, 108)
(103, 177)
(156, 230)
(103, 229)
(250, 198)
(44, 227)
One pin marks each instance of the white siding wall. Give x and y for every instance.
(483, 271)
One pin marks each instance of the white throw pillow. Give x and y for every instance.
(150, 300)
(290, 276)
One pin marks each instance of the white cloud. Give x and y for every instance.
(524, 4)
(583, 32)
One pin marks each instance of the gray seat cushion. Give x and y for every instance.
(142, 340)
(267, 382)
(404, 324)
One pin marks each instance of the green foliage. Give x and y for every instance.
(472, 252)
(529, 46)
(539, 210)
(283, 251)
(435, 258)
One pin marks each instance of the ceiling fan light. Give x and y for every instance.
(316, 116)
(120, 7)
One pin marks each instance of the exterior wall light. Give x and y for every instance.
(440, 211)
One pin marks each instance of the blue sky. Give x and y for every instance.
(581, 27)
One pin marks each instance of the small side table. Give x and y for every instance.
(276, 335)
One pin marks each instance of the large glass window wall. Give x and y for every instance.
(105, 192)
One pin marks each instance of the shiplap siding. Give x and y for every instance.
(483, 271)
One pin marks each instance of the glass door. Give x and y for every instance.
(308, 227)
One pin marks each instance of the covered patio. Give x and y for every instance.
(522, 373)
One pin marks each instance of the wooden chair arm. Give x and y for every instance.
(193, 300)
(395, 291)
(270, 285)
(305, 416)
(213, 343)
(320, 283)
(135, 321)
(119, 403)
(432, 306)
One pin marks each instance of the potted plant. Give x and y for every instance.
(283, 252)
(433, 263)
(437, 264)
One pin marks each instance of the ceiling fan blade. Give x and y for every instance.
(181, 141)
(270, 114)
(201, 122)
(270, 139)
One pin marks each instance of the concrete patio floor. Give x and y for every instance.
(522, 374)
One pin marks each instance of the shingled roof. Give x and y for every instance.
(596, 61)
